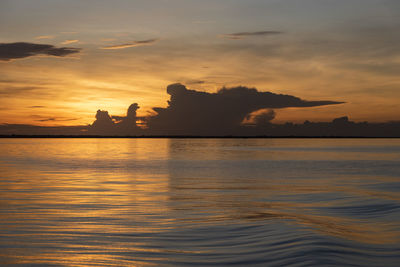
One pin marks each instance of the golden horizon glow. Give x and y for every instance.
(123, 63)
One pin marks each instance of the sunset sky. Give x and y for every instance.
(102, 54)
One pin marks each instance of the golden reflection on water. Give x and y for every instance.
(44, 200)
(83, 201)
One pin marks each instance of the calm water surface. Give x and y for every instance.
(138, 202)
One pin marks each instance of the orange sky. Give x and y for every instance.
(131, 50)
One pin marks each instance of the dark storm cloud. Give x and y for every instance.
(194, 112)
(103, 123)
(116, 125)
(9, 51)
(242, 35)
(238, 111)
(262, 118)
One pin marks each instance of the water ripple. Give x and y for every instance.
(209, 202)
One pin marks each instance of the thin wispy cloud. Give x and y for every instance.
(55, 119)
(242, 35)
(108, 39)
(131, 44)
(37, 107)
(69, 42)
(193, 82)
(44, 37)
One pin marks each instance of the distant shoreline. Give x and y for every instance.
(195, 137)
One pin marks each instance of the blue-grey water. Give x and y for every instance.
(173, 202)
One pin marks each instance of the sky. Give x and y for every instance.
(62, 60)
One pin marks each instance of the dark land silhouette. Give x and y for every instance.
(230, 112)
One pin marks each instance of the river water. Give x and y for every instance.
(174, 202)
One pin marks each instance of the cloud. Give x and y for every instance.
(259, 118)
(201, 113)
(116, 125)
(18, 90)
(242, 35)
(192, 82)
(56, 119)
(37, 107)
(9, 51)
(44, 37)
(69, 42)
(131, 44)
(103, 121)
(223, 113)
(108, 39)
